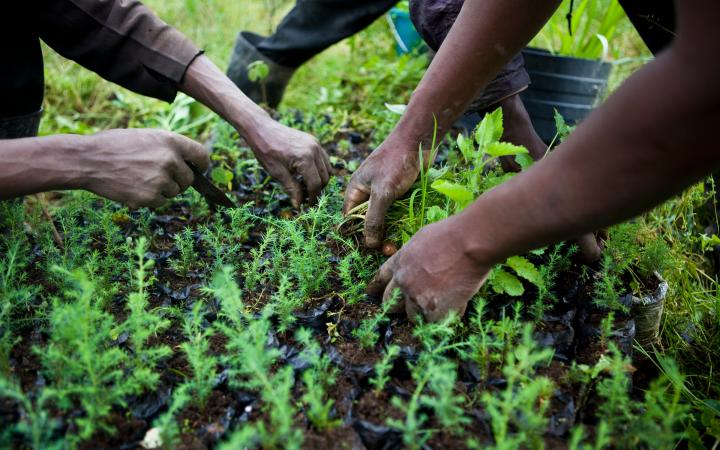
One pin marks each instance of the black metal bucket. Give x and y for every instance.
(570, 85)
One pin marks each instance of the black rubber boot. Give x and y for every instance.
(270, 90)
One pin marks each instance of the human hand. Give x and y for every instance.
(139, 167)
(383, 177)
(433, 271)
(285, 152)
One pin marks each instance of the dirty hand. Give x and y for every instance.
(286, 153)
(434, 273)
(139, 167)
(382, 178)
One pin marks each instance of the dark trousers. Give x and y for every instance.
(314, 25)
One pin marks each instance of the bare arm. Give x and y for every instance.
(136, 167)
(282, 151)
(654, 137)
(486, 34)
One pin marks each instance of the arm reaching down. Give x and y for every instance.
(485, 36)
(654, 137)
(282, 151)
(125, 42)
(135, 167)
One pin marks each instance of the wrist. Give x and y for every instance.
(476, 239)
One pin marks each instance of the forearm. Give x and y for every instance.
(33, 165)
(206, 83)
(651, 139)
(485, 36)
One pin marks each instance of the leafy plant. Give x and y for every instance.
(586, 32)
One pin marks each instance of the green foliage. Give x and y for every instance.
(594, 24)
(522, 405)
(368, 331)
(383, 367)
(36, 426)
(142, 324)
(197, 351)
(317, 378)
(258, 71)
(85, 369)
(187, 255)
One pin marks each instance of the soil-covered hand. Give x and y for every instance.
(139, 167)
(434, 273)
(383, 177)
(286, 153)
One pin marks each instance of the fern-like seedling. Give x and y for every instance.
(141, 324)
(383, 367)
(368, 331)
(197, 351)
(317, 378)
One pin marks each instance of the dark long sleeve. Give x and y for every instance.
(122, 40)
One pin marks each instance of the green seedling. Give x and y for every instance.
(383, 367)
(368, 331)
(197, 351)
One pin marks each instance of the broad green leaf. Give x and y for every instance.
(525, 269)
(466, 147)
(563, 129)
(490, 129)
(221, 176)
(455, 192)
(497, 149)
(507, 283)
(524, 160)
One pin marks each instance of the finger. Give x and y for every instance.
(154, 202)
(326, 161)
(321, 168)
(193, 152)
(313, 182)
(375, 218)
(170, 190)
(291, 186)
(412, 310)
(354, 196)
(183, 176)
(381, 279)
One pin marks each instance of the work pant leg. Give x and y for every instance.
(21, 77)
(433, 20)
(314, 25)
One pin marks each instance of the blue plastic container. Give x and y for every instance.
(406, 37)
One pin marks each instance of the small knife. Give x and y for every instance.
(212, 194)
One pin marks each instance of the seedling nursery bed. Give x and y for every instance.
(190, 328)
